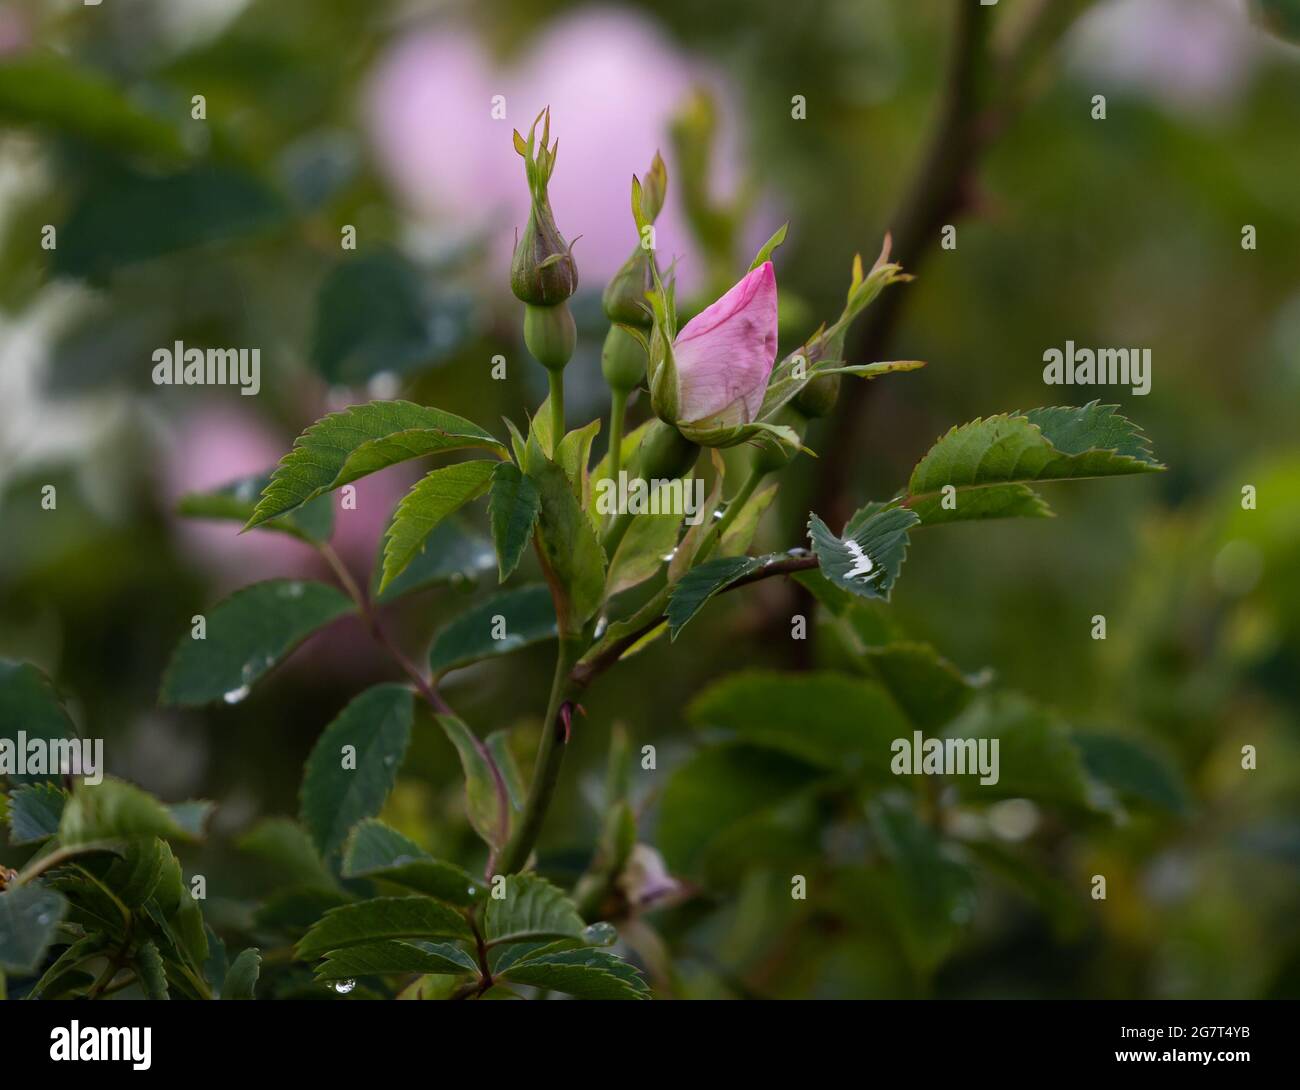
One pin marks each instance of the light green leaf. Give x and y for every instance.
(486, 798)
(344, 446)
(583, 974)
(527, 617)
(740, 534)
(112, 810)
(383, 918)
(29, 921)
(1049, 444)
(375, 851)
(532, 910)
(241, 977)
(867, 559)
(645, 548)
(513, 508)
(393, 956)
(313, 522)
(574, 455)
(247, 635)
(34, 812)
(769, 247)
(441, 492)
(340, 788)
(498, 745)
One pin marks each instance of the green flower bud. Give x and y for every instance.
(819, 396)
(773, 456)
(543, 272)
(623, 359)
(624, 299)
(550, 334)
(665, 453)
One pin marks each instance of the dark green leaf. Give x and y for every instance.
(867, 559)
(312, 522)
(290, 851)
(513, 507)
(383, 918)
(375, 851)
(247, 635)
(29, 920)
(1133, 771)
(452, 554)
(34, 812)
(339, 789)
(570, 547)
(527, 616)
(150, 969)
(112, 810)
(393, 956)
(486, 798)
(929, 689)
(531, 910)
(701, 583)
(583, 974)
(30, 704)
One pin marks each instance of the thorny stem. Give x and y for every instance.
(427, 689)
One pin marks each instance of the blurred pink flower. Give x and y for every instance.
(724, 355)
(15, 34)
(612, 82)
(1186, 54)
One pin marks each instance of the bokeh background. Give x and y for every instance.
(1118, 232)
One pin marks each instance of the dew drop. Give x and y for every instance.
(235, 695)
(344, 986)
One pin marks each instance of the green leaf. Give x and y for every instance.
(827, 719)
(1037, 756)
(241, 977)
(29, 921)
(30, 704)
(393, 956)
(112, 810)
(1049, 444)
(339, 790)
(441, 492)
(933, 892)
(498, 745)
(627, 451)
(135, 877)
(48, 91)
(128, 217)
(1133, 771)
(486, 799)
(152, 973)
(247, 635)
(313, 522)
(701, 583)
(570, 547)
(649, 541)
(769, 247)
(287, 847)
(995, 501)
(374, 314)
(574, 456)
(375, 851)
(716, 790)
(383, 918)
(1280, 17)
(867, 559)
(583, 974)
(34, 812)
(513, 508)
(527, 617)
(345, 446)
(531, 910)
(929, 689)
(739, 535)
(290, 913)
(84, 949)
(452, 554)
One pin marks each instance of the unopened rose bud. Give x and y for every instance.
(819, 396)
(773, 456)
(624, 298)
(622, 359)
(550, 334)
(543, 272)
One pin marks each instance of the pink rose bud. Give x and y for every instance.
(724, 355)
